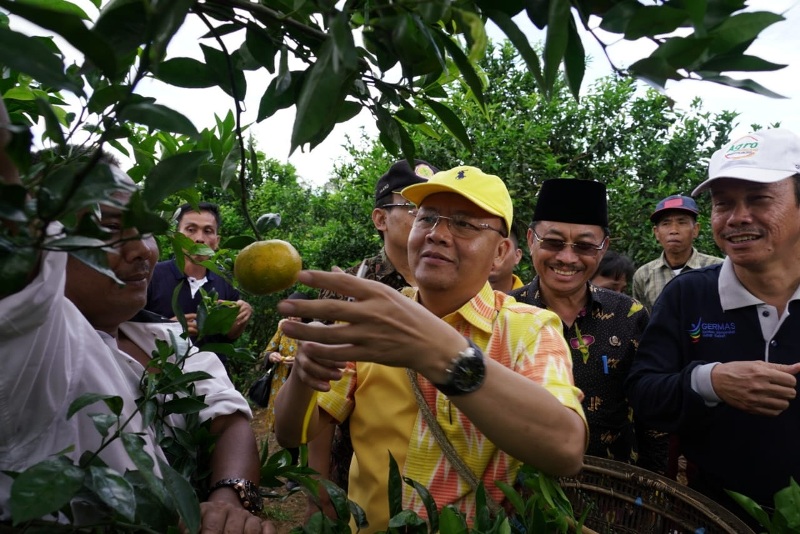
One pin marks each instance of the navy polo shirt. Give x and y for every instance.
(167, 276)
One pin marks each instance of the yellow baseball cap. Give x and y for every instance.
(484, 190)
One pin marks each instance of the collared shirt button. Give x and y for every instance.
(773, 343)
(765, 313)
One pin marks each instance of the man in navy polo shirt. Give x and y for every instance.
(717, 364)
(201, 227)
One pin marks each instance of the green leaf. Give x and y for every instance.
(746, 84)
(66, 20)
(158, 117)
(451, 521)
(787, 507)
(656, 70)
(739, 62)
(697, 10)
(740, 28)
(261, 46)
(12, 203)
(102, 422)
(106, 97)
(320, 99)
(124, 24)
(752, 508)
(183, 405)
(654, 20)
(616, 19)
(279, 95)
(407, 520)
(555, 44)
(181, 380)
(218, 320)
(171, 175)
(44, 488)
(410, 115)
(520, 41)
(228, 78)
(183, 495)
(574, 60)
(343, 54)
(96, 259)
(238, 242)
(52, 126)
(87, 399)
(682, 52)
(338, 499)
(465, 66)
(537, 11)
(168, 17)
(450, 121)
(135, 447)
(185, 72)
(230, 166)
(38, 61)
(113, 490)
(428, 501)
(395, 488)
(509, 7)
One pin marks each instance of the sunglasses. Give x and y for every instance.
(582, 248)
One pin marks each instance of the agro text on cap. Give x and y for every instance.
(674, 202)
(484, 190)
(765, 156)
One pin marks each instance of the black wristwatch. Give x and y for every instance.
(466, 373)
(246, 491)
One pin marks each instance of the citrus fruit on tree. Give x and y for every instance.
(267, 266)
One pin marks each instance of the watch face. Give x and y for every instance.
(469, 373)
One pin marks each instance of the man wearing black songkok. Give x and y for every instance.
(567, 239)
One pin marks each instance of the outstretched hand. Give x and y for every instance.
(380, 325)
(225, 518)
(756, 387)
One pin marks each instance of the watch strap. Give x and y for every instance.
(450, 388)
(247, 492)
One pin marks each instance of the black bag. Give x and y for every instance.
(260, 390)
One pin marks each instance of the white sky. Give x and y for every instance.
(779, 43)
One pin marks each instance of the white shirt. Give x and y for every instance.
(50, 355)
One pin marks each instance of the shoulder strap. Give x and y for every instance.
(447, 447)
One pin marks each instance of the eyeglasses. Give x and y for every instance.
(581, 248)
(403, 205)
(459, 225)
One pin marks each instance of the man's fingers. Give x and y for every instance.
(341, 283)
(791, 369)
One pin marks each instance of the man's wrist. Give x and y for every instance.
(702, 384)
(245, 490)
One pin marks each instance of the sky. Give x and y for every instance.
(780, 44)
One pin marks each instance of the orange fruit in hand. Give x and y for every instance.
(267, 266)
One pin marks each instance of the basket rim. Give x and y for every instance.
(644, 479)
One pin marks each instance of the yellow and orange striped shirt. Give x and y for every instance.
(384, 417)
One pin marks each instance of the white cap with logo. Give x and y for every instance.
(765, 156)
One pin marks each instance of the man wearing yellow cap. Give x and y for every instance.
(495, 375)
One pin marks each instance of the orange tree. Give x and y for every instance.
(411, 51)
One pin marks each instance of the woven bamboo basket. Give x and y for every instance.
(622, 498)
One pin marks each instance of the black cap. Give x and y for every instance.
(572, 201)
(401, 175)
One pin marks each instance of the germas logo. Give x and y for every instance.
(710, 330)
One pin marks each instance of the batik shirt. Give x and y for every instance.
(385, 418)
(603, 340)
